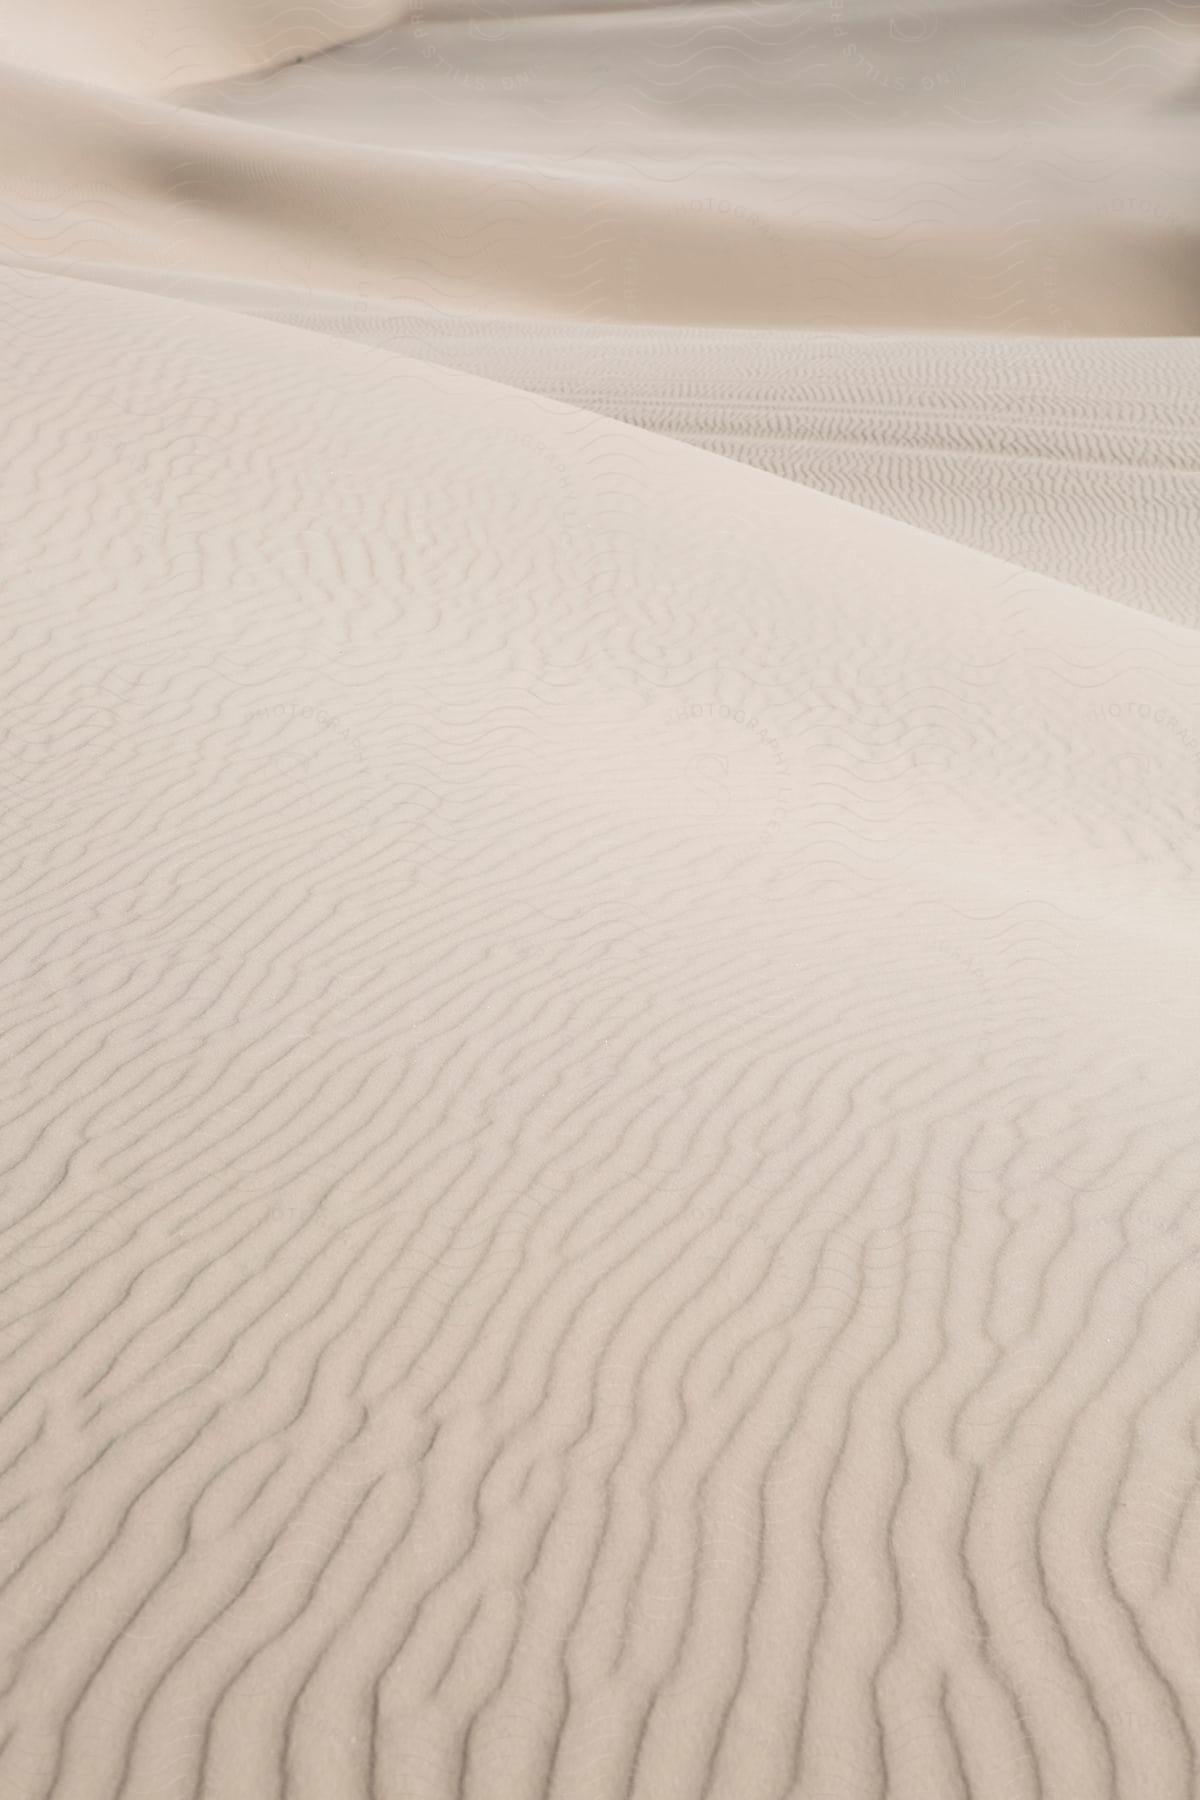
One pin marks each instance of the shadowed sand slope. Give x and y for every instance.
(1077, 458)
(154, 48)
(984, 168)
(600, 1191)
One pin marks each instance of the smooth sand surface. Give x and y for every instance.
(598, 927)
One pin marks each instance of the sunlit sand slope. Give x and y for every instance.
(600, 1184)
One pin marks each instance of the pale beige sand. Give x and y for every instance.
(984, 164)
(1074, 457)
(726, 163)
(598, 1115)
(155, 48)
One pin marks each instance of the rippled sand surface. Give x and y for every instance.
(600, 661)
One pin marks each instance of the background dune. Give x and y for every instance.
(152, 49)
(598, 920)
(776, 165)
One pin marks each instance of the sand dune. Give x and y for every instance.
(598, 930)
(1076, 458)
(711, 165)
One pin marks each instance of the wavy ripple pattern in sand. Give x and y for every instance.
(745, 1344)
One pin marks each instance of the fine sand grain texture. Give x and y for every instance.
(599, 1170)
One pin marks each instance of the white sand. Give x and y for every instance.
(598, 1112)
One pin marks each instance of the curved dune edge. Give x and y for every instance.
(152, 49)
(644, 166)
(1071, 457)
(601, 1197)
(928, 165)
